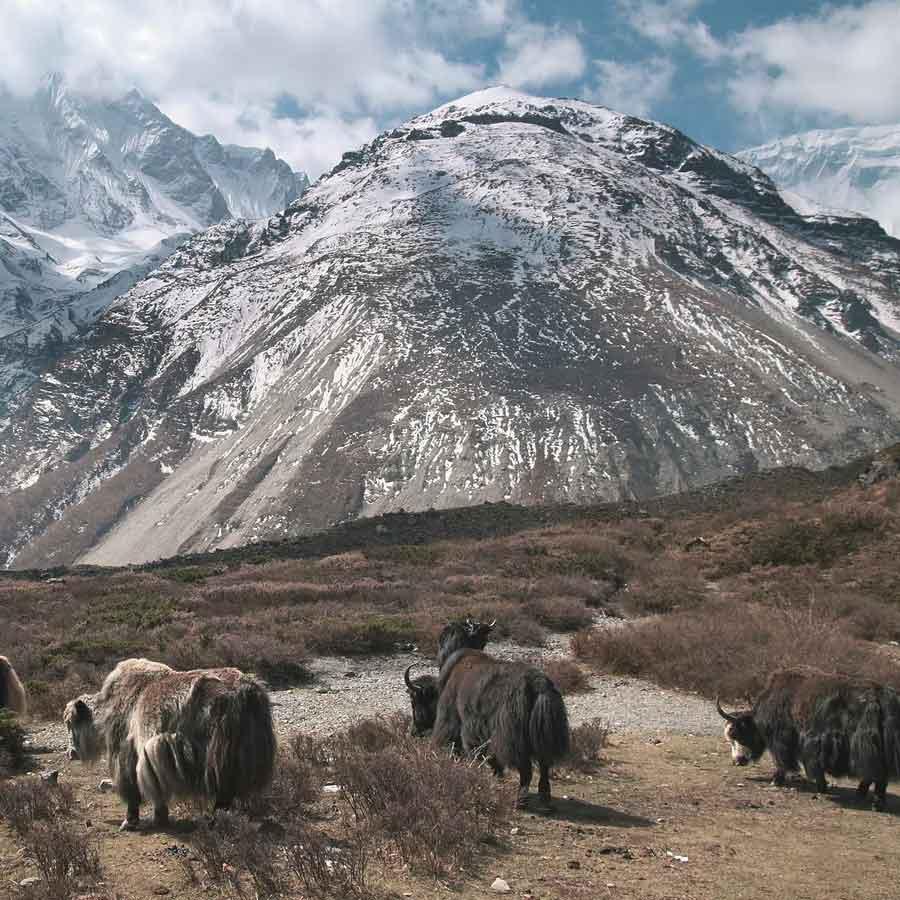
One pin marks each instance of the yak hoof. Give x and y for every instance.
(130, 825)
(161, 819)
(878, 804)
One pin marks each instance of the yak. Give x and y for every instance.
(510, 711)
(423, 695)
(831, 724)
(423, 690)
(12, 694)
(460, 635)
(204, 733)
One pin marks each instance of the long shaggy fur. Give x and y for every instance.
(205, 733)
(828, 724)
(511, 711)
(12, 693)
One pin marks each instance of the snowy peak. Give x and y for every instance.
(509, 298)
(856, 170)
(91, 188)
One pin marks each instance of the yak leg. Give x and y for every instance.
(447, 729)
(779, 779)
(544, 783)
(862, 789)
(879, 799)
(127, 783)
(524, 768)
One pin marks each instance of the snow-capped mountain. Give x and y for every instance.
(842, 169)
(510, 297)
(91, 188)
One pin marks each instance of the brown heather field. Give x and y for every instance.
(711, 590)
(793, 567)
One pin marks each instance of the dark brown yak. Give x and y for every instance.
(829, 724)
(511, 712)
(12, 694)
(205, 733)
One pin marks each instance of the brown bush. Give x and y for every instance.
(559, 613)
(568, 676)
(28, 801)
(434, 810)
(728, 650)
(586, 742)
(65, 855)
(239, 857)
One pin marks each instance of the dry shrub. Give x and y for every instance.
(568, 676)
(48, 699)
(671, 584)
(28, 801)
(329, 869)
(840, 530)
(728, 650)
(238, 857)
(559, 613)
(371, 735)
(66, 857)
(12, 742)
(435, 811)
(586, 742)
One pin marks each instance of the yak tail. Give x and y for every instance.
(548, 726)
(890, 731)
(12, 694)
(167, 766)
(867, 758)
(240, 757)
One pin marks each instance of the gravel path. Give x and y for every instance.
(348, 689)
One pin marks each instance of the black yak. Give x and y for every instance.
(206, 733)
(510, 711)
(12, 694)
(462, 635)
(831, 724)
(423, 695)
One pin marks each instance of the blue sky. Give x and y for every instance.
(312, 78)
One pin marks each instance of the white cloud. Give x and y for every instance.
(842, 62)
(633, 88)
(538, 55)
(217, 65)
(670, 23)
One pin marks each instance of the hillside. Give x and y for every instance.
(94, 194)
(508, 299)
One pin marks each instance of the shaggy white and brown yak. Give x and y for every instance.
(206, 733)
(12, 694)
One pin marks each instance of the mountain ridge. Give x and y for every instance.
(509, 298)
(849, 171)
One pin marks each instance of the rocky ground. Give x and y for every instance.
(346, 689)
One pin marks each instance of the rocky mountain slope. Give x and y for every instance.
(90, 189)
(846, 168)
(508, 298)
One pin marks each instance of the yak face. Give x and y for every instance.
(84, 739)
(465, 635)
(742, 733)
(423, 696)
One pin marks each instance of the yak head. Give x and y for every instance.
(465, 635)
(742, 733)
(423, 695)
(84, 738)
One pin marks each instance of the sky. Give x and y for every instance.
(313, 78)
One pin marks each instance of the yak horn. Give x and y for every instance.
(409, 684)
(728, 717)
(492, 624)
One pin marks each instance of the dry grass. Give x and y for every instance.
(587, 741)
(836, 553)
